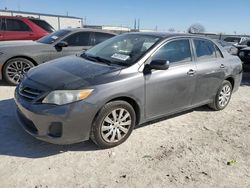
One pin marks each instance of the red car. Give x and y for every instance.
(22, 28)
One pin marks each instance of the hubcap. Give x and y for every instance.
(224, 96)
(115, 125)
(16, 70)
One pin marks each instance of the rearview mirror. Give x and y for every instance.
(159, 64)
(62, 44)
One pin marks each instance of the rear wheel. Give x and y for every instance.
(15, 69)
(113, 124)
(222, 97)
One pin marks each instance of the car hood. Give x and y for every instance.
(19, 43)
(72, 72)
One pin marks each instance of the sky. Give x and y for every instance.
(226, 16)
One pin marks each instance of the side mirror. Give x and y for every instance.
(62, 44)
(159, 64)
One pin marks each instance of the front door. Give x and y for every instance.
(77, 42)
(173, 89)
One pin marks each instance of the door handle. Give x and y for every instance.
(191, 72)
(222, 66)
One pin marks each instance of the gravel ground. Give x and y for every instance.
(198, 148)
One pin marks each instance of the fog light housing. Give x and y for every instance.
(55, 129)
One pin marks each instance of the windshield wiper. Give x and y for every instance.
(96, 59)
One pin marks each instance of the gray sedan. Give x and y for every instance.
(125, 81)
(17, 57)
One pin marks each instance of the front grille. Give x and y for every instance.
(28, 93)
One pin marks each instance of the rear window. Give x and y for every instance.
(43, 24)
(204, 49)
(16, 25)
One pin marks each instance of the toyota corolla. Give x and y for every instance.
(123, 82)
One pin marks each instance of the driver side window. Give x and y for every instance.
(175, 51)
(78, 39)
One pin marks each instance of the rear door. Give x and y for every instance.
(77, 42)
(210, 69)
(16, 29)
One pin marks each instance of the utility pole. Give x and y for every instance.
(85, 20)
(135, 25)
(138, 23)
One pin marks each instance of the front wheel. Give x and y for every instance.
(15, 69)
(113, 124)
(222, 97)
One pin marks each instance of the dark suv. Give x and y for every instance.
(21, 28)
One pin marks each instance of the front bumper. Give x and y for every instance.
(66, 124)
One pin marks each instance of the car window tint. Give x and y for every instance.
(1, 25)
(43, 24)
(100, 37)
(232, 39)
(16, 25)
(78, 39)
(175, 51)
(204, 49)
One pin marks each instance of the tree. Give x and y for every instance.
(196, 28)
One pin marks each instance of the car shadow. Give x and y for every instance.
(14, 141)
(3, 83)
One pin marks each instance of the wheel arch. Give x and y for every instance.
(24, 57)
(129, 100)
(231, 80)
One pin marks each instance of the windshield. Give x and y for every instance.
(51, 38)
(43, 24)
(124, 49)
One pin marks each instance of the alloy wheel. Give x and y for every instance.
(115, 125)
(16, 70)
(224, 95)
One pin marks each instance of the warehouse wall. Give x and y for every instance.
(58, 22)
(69, 22)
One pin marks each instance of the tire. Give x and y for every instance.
(217, 103)
(105, 126)
(15, 69)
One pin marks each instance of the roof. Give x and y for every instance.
(39, 14)
(163, 34)
(88, 29)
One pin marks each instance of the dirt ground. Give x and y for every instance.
(198, 148)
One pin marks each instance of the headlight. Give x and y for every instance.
(61, 97)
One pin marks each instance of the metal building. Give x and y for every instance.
(57, 21)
